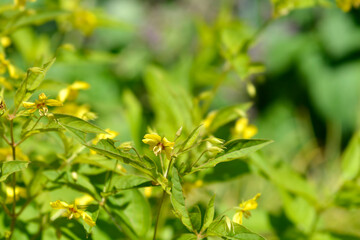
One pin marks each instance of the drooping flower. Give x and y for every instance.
(41, 103)
(73, 211)
(243, 129)
(71, 92)
(158, 144)
(244, 209)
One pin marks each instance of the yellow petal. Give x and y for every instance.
(88, 219)
(240, 125)
(42, 97)
(63, 94)
(5, 41)
(250, 204)
(209, 119)
(78, 85)
(238, 217)
(153, 136)
(29, 104)
(167, 143)
(59, 205)
(250, 131)
(53, 102)
(84, 200)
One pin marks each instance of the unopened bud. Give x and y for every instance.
(215, 140)
(178, 133)
(251, 89)
(215, 150)
(126, 146)
(74, 175)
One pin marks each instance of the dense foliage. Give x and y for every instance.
(145, 120)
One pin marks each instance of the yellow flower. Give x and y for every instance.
(21, 3)
(5, 65)
(41, 103)
(243, 129)
(73, 211)
(158, 144)
(148, 192)
(85, 21)
(6, 154)
(209, 119)
(244, 209)
(110, 134)
(19, 192)
(71, 92)
(5, 41)
(5, 83)
(80, 111)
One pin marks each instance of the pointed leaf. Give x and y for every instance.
(10, 167)
(235, 149)
(209, 214)
(31, 82)
(236, 231)
(190, 140)
(178, 201)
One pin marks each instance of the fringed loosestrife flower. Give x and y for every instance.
(158, 144)
(243, 129)
(71, 92)
(41, 103)
(73, 211)
(244, 209)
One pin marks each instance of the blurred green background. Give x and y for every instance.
(307, 100)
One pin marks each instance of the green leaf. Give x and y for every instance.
(135, 212)
(10, 167)
(77, 124)
(178, 201)
(228, 114)
(190, 140)
(350, 160)
(133, 112)
(35, 19)
(106, 147)
(234, 232)
(235, 149)
(33, 79)
(209, 214)
(299, 211)
(285, 177)
(195, 217)
(127, 182)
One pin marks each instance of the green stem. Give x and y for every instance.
(158, 214)
(162, 200)
(13, 148)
